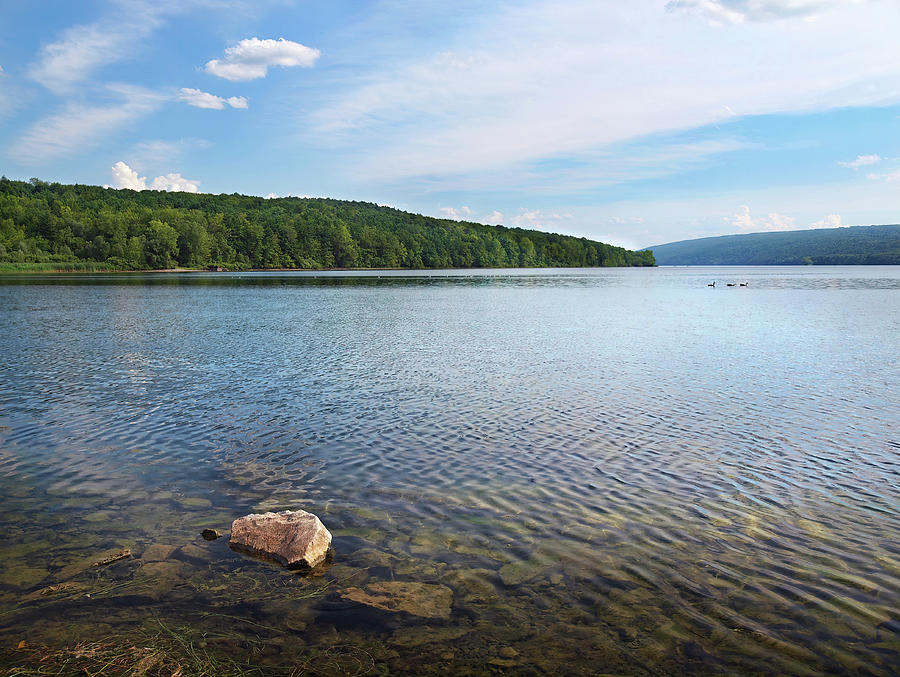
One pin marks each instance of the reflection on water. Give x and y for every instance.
(617, 471)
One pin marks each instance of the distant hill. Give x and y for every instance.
(856, 245)
(51, 225)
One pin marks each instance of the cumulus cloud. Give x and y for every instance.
(77, 127)
(251, 58)
(457, 214)
(739, 11)
(830, 221)
(746, 223)
(536, 218)
(201, 99)
(861, 161)
(174, 183)
(273, 196)
(495, 217)
(124, 176)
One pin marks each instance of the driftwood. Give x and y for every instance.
(122, 554)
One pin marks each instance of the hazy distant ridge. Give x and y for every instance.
(857, 245)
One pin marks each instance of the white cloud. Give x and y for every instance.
(174, 182)
(495, 217)
(251, 58)
(272, 196)
(201, 99)
(78, 127)
(117, 36)
(890, 177)
(124, 176)
(160, 152)
(739, 11)
(830, 221)
(457, 214)
(861, 161)
(746, 223)
(536, 218)
(532, 84)
(83, 49)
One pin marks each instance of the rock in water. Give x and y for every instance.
(295, 539)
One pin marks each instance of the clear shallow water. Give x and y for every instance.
(618, 471)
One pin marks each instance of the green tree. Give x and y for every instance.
(160, 244)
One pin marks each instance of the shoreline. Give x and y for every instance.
(287, 270)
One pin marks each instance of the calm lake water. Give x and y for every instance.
(574, 471)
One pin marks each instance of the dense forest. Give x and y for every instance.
(857, 245)
(73, 226)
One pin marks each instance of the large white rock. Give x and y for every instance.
(295, 539)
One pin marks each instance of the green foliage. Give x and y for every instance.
(858, 245)
(51, 223)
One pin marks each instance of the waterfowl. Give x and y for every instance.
(711, 285)
(745, 284)
(730, 284)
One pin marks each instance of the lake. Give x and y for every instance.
(574, 471)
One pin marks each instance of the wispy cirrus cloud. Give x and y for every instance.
(201, 99)
(251, 58)
(163, 152)
(77, 127)
(861, 161)
(739, 11)
(890, 177)
(117, 35)
(81, 50)
(534, 83)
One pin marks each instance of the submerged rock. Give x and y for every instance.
(428, 600)
(210, 534)
(158, 552)
(295, 539)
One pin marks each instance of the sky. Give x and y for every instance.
(634, 123)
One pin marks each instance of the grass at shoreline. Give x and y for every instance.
(169, 651)
(57, 267)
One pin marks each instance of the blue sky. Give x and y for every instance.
(634, 123)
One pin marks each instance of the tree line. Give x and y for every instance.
(44, 223)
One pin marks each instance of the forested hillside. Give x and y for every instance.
(50, 223)
(857, 245)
